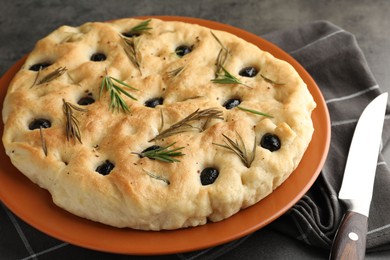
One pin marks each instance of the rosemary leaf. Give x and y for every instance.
(252, 158)
(157, 177)
(254, 111)
(184, 124)
(191, 98)
(140, 28)
(162, 120)
(163, 154)
(220, 62)
(176, 72)
(51, 76)
(238, 147)
(271, 81)
(227, 78)
(72, 123)
(218, 40)
(112, 87)
(43, 141)
(36, 77)
(131, 49)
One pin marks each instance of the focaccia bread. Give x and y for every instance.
(155, 125)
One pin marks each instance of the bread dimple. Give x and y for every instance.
(141, 192)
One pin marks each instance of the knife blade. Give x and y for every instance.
(358, 181)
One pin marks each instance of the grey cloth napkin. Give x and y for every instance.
(335, 61)
(333, 58)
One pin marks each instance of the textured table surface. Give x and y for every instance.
(22, 23)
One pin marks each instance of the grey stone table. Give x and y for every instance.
(22, 23)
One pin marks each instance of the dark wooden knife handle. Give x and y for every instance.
(350, 240)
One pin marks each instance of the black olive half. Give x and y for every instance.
(153, 102)
(131, 34)
(183, 50)
(231, 103)
(98, 57)
(39, 66)
(271, 142)
(208, 176)
(105, 168)
(38, 123)
(249, 72)
(85, 101)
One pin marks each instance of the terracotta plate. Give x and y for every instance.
(34, 205)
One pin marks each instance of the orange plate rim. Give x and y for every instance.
(34, 205)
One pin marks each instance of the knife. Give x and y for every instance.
(358, 182)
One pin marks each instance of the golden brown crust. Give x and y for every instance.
(128, 196)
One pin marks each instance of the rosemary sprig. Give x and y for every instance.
(131, 49)
(254, 111)
(176, 72)
(227, 78)
(131, 44)
(163, 153)
(43, 141)
(238, 147)
(49, 77)
(72, 123)
(111, 85)
(222, 56)
(185, 126)
(52, 75)
(157, 177)
(140, 28)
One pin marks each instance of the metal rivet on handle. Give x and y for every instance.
(353, 236)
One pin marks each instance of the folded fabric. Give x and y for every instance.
(337, 64)
(333, 58)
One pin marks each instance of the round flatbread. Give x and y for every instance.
(155, 125)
